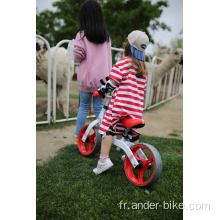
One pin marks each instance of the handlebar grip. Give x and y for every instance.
(96, 94)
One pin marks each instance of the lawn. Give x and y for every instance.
(68, 189)
(41, 90)
(41, 101)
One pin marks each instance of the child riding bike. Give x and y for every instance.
(128, 80)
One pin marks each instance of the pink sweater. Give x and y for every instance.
(95, 62)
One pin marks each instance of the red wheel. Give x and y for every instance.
(92, 143)
(150, 165)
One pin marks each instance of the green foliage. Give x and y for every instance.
(177, 42)
(121, 17)
(66, 187)
(61, 24)
(45, 25)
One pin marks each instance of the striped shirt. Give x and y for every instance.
(128, 97)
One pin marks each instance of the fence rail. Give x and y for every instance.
(168, 88)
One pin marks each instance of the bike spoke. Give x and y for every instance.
(141, 174)
(136, 157)
(89, 146)
(147, 162)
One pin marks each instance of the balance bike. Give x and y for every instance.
(142, 163)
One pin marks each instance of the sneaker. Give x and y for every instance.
(101, 167)
(75, 140)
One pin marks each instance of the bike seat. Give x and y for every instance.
(133, 123)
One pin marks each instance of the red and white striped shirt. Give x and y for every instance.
(128, 97)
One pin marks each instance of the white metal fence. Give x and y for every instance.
(168, 87)
(54, 84)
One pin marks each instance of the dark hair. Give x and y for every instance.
(92, 22)
(142, 69)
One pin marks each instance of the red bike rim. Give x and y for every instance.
(87, 147)
(139, 178)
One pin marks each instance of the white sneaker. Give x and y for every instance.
(101, 167)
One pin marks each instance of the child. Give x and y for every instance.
(92, 49)
(128, 78)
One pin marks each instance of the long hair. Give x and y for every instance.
(92, 22)
(142, 69)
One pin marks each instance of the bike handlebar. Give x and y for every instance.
(96, 94)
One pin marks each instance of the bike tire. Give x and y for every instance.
(92, 144)
(152, 166)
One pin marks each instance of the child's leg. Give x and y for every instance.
(105, 148)
(104, 162)
(106, 143)
(136, 138)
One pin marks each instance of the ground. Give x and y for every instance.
(165, 120)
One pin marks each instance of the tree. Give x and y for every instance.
(177, 42)
(61, 24)
(121, 17)
(124, 16)
(45, 25)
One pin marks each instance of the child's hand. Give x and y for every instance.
(101, 91)
(108, 87)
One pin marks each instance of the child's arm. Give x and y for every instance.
(79, 49)
(114, 82)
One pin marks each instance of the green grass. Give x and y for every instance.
(59, 115)
(41, 94)
(74, 96)
(175, 133)
(41, 90)
(58, 125)
(46, 127)
(68, 189)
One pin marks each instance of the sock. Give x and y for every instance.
(103, 158)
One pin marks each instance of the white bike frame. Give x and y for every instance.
(121, 143)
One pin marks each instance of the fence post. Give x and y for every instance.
(170, 83)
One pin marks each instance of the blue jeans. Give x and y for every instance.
(85, 102)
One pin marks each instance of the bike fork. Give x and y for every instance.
(93, 124)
